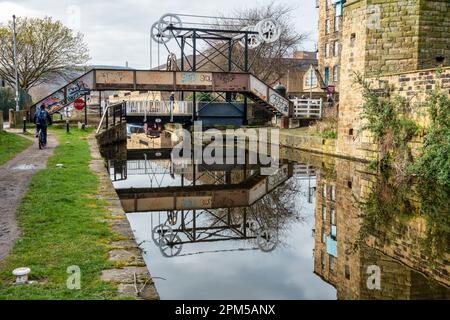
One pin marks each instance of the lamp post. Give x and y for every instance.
(15, 62)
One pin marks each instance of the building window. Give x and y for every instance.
(333, 216)
(327, 26)
(333, 193)
(324, 213)
(311, 78)
(324, 191)
(337, 24)
(327, 75)
(331, 263)
(327, 50)
(336, 48)
(335, 73)
(339, 7)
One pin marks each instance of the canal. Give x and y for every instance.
(319, 228)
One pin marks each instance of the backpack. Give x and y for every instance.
(41, 118)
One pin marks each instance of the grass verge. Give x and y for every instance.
(10, 145)
(62, 225)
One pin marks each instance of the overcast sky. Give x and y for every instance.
(117, 31)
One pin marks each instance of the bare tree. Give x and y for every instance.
(268, 60)
(45, 49)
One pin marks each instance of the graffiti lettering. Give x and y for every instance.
(226, 78)
(188, 77)
(279, 103)
(205, 78)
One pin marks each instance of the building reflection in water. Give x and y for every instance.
(352, 239)
(361, 223)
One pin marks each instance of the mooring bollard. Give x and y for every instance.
(24, 124)
(67, 126)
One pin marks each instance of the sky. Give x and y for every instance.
(117, 32)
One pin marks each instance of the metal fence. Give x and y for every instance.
(158, 107)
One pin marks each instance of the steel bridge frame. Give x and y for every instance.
(209, 37)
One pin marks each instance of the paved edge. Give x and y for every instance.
(132, 277)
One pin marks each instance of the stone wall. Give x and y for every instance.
(113, 135)
(389, 42)
(309, 143)
(16, 118)
(415, 85)
(353, 59)
(392, 36)
(434, 33)
(406, 35)
(127, 269)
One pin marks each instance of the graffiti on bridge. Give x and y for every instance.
(57, 101)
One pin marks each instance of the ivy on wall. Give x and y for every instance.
(388, 118)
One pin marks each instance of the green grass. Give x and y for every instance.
(10, 145)
(62, 225)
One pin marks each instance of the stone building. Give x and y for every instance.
(388, 42)
(344, 257)
(330, 38)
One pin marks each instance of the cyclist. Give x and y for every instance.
(42, 119)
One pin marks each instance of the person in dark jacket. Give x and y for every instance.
(42, 119)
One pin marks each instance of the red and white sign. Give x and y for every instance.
(79, 104)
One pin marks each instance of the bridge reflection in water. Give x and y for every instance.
(311, 234)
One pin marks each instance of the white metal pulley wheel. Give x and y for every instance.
(269, 30)
(267, 241)
(253, 39)
(168, 20)
(157, 34)
(170, 245)
(159, 231)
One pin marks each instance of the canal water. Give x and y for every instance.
(319, 228)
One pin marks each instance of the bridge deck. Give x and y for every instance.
(151, 80)
(202, 196)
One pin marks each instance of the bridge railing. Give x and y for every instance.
(158, 107)
(113, 114)
(308, 108)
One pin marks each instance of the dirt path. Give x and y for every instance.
(15, 176)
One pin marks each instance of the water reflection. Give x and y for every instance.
(315, 230)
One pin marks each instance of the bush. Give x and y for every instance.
(434, 163)
(7, 101)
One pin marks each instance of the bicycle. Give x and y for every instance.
(41, 139)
